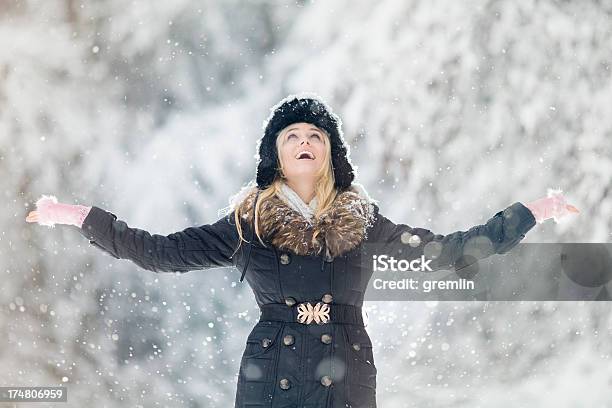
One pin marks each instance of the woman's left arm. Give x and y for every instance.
(462, 248)
(456, 250)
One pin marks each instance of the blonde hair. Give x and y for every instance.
(325, 189)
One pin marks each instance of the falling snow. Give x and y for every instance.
(153, 111)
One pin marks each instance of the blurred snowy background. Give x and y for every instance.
(151, 110)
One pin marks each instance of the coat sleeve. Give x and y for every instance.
(456, 250)
(202, 247)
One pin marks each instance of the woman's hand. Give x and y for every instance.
(49, 212)
(553, 206)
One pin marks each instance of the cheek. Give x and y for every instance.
(320, 152)
(284, 152)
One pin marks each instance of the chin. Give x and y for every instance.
(301, 168)
(303, 173)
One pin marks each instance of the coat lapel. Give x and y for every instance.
(340, 229)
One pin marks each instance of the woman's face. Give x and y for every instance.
(302, 148)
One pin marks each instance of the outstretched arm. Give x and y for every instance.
(456, 250)
(202, 247)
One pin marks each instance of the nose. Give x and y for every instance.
(304, 140)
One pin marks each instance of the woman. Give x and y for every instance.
(297, 235)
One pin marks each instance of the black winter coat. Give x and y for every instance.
(288, 362)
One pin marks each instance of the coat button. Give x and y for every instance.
(326, 380)
(265, 343)
(284, 384)
(327, 298)
(356, 346)
(326, 338)
(290, 301)
(288, 340)
(285, 259)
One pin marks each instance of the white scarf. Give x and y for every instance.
(294, 201)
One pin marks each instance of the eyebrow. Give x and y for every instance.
(312, 128)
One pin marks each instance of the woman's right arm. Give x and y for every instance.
(202, 247)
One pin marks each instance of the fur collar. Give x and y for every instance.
(340, 229)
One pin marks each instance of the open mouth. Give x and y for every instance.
(305, 155)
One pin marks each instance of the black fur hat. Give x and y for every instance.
(310, 108)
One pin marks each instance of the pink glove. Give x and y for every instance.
(554, 206)
(49, 212)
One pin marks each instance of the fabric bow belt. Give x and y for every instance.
(312, 312)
